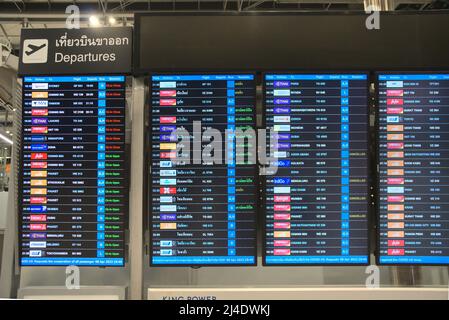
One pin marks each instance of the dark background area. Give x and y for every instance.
(270, 41)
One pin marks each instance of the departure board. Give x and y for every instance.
(73, 185)
(317, 199)
(413, 168)
(202, 212)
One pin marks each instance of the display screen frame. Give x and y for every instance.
(377, 73)
(348, 71)
(126, 168)
(148, 169)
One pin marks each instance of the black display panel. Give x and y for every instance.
(413, 168)
(201, 212)
(317, 199)
(73, 184)
(329, 41)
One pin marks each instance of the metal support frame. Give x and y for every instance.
(136, 191)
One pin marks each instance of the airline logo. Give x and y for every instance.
(395, 216)
(281, 119)
(167, 128)
(395, 234)
(38, 227)
(395, 207)
(395, 128)
(281, 252)
(38, 191)
(168, 226)
(39, 95)
(38, 182)
(282, 216)
(38, 200)
(282, 225)
(166, 243)
(395, 189)
(38, 173)
(38, 165)
(37, 138)
(167, 190)
(167, 93)
(281, 92)
(393, 136)
(281, 101)
(167, 182)
(168, 208)
(38, 218)
(35, 253)
(281, 83)
(168, 155)
(395, 145)
(280, 180)
(395, 154)
(395, 93)
(167, 173)
(39, 103)
(395, 102)
(36, 235)
(281, 243)
(396, 252)
(395, 181)
(167, 102)
(395, 225)
(167, 146)
(167, 84)
(39, 129)
(35, 209)
(166, 199)
(282, 198)
(280, 154)
(281, 189)
(281, 234)
(38, 244)
(395, 198)
(39, 86)
(395, 84)
(166, 252)
(165, 164)
(167, 119)
(395, 110)
(39, 112)
(39, 147)
(282, 207)
(395, 163)
(280, 110)
(395, 172)
(167, 217)
(168, 137)
(396, 243)
(393, 119)
(281, 127)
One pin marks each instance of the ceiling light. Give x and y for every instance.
(112, 21)
(94, 21)
(5, 139)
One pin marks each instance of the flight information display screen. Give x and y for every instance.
(413, 168)
(317, 199)
(202, 212)
(73, 185)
